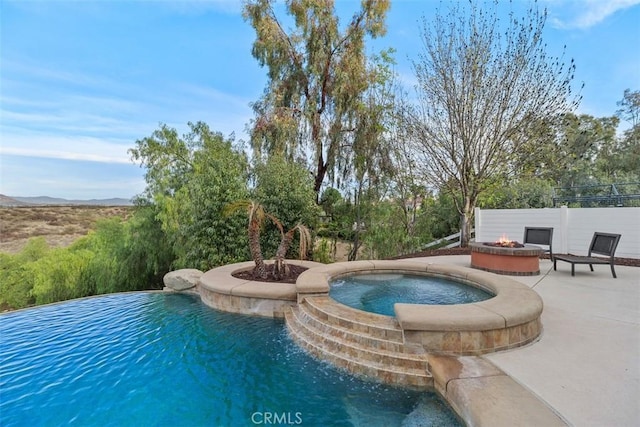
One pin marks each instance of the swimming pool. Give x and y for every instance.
(167, 359)
(377, 293)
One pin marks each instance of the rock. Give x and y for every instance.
(181, 280)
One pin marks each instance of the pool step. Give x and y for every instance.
(370, 324)
(345, 333)
(355, 345)
(361, 351)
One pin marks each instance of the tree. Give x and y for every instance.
(582, 142)
(630, 107)
(481, 87)
(280, 267)
(386, 234)
(521, 193)
(630, 111)
(409, 184)
(257, 215)
(285, 189)
(330, 198)
(191, 179)
(317, 76)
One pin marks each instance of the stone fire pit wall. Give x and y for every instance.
(523, 261)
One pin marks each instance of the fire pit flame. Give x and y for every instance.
(505, 242)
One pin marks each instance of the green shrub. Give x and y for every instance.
(55, 276)
(15, 283)
(16, 274)
(322, 252)
(129, 256)
(117, 256)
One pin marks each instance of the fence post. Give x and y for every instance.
(478, 225)
(564, 230)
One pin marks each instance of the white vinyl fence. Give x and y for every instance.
(573, 228)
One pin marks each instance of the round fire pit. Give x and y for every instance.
(513, 261)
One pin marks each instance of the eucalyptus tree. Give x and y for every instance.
(313, 107)
(481, 86)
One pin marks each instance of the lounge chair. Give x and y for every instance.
(601, 244)
(539, 236)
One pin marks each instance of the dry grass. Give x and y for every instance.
(59, 225)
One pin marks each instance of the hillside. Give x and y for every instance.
(59, 225)
(53, 201)
(10, 201)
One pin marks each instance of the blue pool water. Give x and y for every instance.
(153, 359)
(376, 293)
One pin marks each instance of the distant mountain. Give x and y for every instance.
(44, 200)
(10, 202)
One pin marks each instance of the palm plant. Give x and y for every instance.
(280, 268)
(257, 215)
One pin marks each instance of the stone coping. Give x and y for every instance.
(220, 280)
(220, 290)
(526, 250)
(514, 303)
(483, 395)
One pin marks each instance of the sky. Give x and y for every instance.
(81, 81)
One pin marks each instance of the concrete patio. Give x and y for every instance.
(586, 364)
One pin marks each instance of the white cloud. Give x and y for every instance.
(99, 119)
(584, 14)
(64, 147)
(68, 176)
(28, 71)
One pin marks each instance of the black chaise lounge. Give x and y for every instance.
(601, 244)
(539, 236)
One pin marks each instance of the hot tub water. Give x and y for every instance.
(377, 293)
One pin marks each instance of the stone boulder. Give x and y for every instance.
(182, 280)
